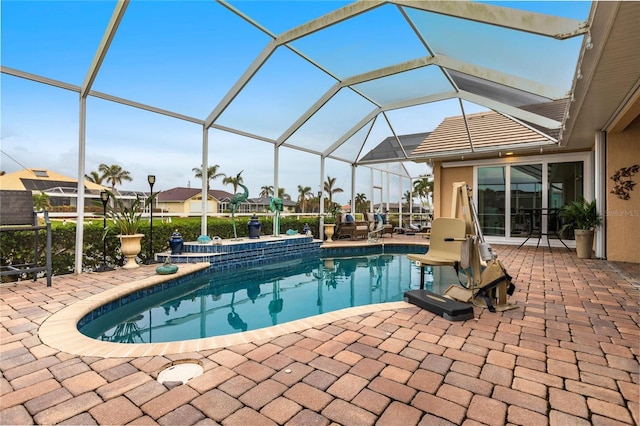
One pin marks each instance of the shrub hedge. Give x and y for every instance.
(17, 247)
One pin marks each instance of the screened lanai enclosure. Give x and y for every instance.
(283, 88)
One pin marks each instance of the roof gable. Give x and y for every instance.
(486, 130)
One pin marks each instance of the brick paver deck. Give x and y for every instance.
(567, 356)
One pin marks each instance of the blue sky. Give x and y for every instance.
(185, 56)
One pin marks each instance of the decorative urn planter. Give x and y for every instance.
(176, 242)
(130, 247)
(329, 229)
(254, 227)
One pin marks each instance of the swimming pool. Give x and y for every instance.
(230, 302)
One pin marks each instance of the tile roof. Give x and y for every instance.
(42, 180)
(390, 149)
(487, 129)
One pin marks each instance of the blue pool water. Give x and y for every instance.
(224, 303)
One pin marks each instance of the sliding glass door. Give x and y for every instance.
(565, 185)
(526, 197)
(514, 199)
(491, 199)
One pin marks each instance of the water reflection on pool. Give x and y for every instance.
(224, 303)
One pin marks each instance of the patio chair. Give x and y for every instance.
(17, 215)
(445, 245)
(352, 228)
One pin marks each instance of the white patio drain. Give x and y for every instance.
(179, 373)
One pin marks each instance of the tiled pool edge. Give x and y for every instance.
(175, 281)
(60, 331)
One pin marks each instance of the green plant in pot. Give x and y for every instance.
(583, 218)
(127, 219)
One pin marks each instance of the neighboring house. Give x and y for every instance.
(62, 190)
(187, 201)
(261, 205)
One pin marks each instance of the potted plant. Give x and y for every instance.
(583, 218)
(128, 219)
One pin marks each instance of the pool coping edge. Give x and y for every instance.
(60, 331)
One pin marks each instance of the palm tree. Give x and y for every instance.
(407, 196)
(114, 174)
(330, 190)
(303, 193)
(283, 195)
(423, 188)
(94, 177)
(266, 191)
(361, 203)
(41, 201)
(212, 174)
(234, 181)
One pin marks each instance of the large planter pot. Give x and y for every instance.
(130, 247)
(584, 243)
(329, 229)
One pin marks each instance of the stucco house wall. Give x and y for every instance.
(184, 207)
(444, 178)
(623, 216)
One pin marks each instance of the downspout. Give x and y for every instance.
(600, 191)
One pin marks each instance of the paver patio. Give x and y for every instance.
(567, 356)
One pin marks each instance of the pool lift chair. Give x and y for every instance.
(458, 241)
(378, 227)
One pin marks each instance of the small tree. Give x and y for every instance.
(41, 202)
(266, 191)
(330, 190)
(114, 174)
(361, 203)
